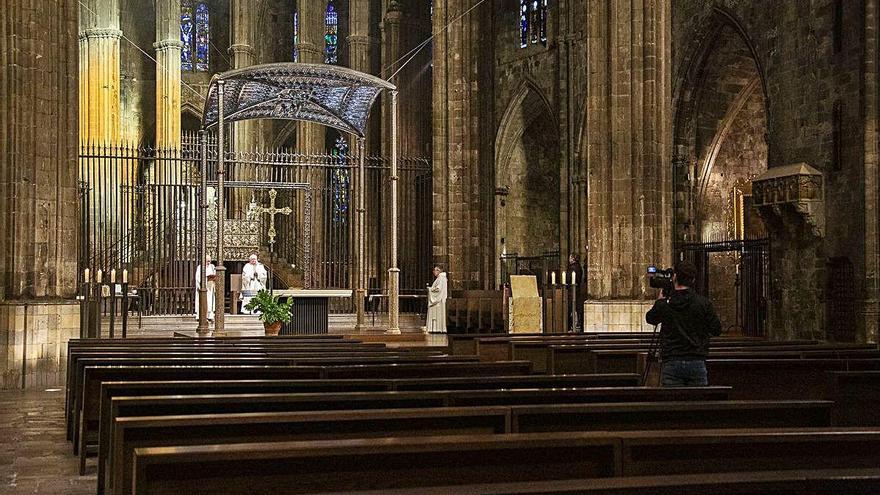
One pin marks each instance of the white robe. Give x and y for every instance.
(210, 286)
(253, 279)
(437, 305)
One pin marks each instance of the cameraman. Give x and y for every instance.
(688, 320)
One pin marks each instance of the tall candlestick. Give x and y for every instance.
(113, 275)
(552, 278)
(98, 276)
(573, 278)
(86, 274)
(563, 277)
(124, 276)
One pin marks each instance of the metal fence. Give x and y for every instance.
(139, 213)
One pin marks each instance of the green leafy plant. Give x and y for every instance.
(271, 310)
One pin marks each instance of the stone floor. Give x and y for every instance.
(34, 455)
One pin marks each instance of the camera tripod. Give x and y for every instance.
(653, 349)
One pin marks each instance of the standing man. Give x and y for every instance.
(687, 321)
(253, 280)
(210, 274)
(575, 267)
(437, 302)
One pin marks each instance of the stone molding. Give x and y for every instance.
(797, 188)
(162, 45)
(241, 48)
(100, 33)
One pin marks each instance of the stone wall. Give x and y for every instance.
(33, 342)
(808, 69)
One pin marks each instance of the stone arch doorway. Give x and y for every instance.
(720, 146)
(527, 175)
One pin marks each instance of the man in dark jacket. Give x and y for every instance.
(687, 321)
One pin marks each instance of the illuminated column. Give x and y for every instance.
(168, 47)
(99, 71)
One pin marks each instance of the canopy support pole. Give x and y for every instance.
(393, 270)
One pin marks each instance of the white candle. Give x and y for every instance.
(552, 278)
(563, 277)
(86, 275)
(124, 276)
(98, 276)
(573, 278)
(113, 275)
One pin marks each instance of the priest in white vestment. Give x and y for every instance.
(253, 280)
(210, 273)
(437, 303)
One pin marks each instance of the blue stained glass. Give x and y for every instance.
(523, 23)
(340, 179)
(296, 36)
(535, 21)
(186, 35)
(331, 35)
(203, 33)
(544, 16)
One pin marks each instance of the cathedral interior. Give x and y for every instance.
(735, 133)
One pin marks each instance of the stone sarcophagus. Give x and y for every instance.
(795, 190)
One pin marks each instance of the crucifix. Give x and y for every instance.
(272, 211)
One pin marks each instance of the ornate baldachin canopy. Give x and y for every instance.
(326, 94)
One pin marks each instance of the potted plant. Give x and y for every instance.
(272, 312)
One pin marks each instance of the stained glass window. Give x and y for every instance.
(195, 34)
(186, 35)
(296, 36)
(544, 16)
(331, 35)
(340, 179)
(533, 15)
(203, 33)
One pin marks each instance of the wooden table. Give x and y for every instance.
(309, 314)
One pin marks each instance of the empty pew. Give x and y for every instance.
(305, 467)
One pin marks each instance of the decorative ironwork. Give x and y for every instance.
(326, 94)
(272, 210)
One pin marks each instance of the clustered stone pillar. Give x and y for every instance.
(39, 221)
(310, 137)
(459, 184)
(99, 71)
(626, 151)
(168, 47)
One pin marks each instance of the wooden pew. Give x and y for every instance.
(139, 432)
(304, 467)
(280, 359)
(856, 395)
(87, 401)
(781, 379)
(788, 482)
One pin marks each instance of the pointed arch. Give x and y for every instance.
(528, 102)
(282, 136)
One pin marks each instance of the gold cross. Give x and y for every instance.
(272, 211)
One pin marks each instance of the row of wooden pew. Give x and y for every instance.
(303, 415)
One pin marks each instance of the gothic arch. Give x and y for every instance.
(721, 74)
(527, 174)
(287, 131)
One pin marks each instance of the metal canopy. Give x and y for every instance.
(326, 94)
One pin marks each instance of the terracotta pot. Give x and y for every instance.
(272, 328)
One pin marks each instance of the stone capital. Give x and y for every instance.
(99, 33)
(238, 48)
(163, 44)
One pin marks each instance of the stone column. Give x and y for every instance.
(168, 47)
(243, 23)
(310, 137)
(626, 146)
(39, 222)
(460, 124)
(99, 70)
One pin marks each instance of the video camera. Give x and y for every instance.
(661, 278)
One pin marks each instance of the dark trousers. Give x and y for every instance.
(678, 373)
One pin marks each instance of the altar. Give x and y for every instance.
(309, 312)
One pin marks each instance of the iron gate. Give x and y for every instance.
(751, 279)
